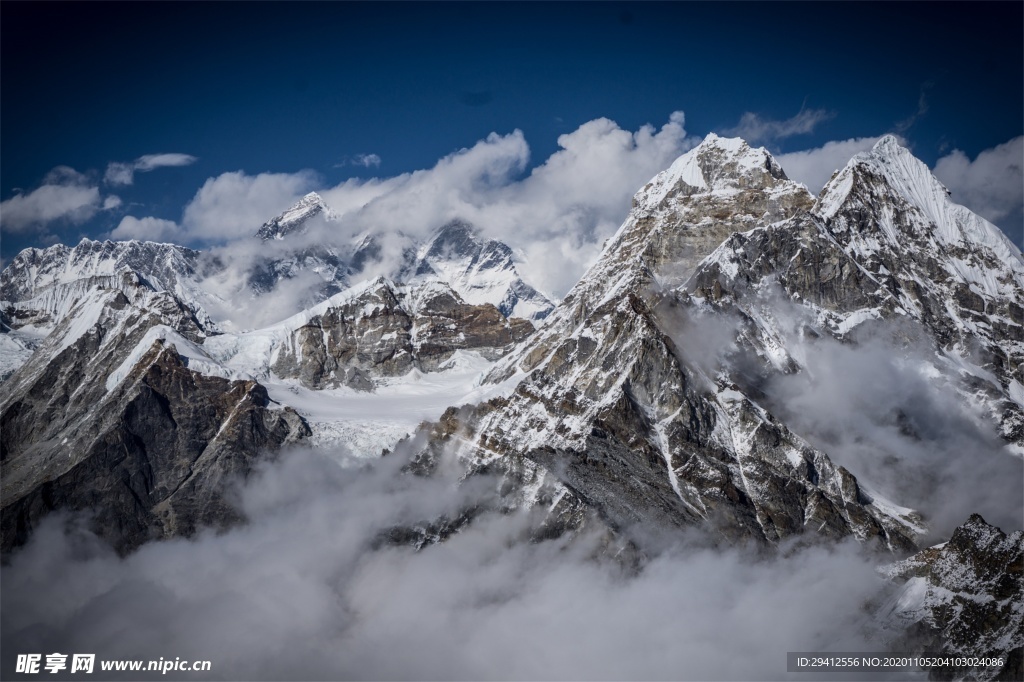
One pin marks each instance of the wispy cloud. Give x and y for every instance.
(364, 160)
(119, 173)
(922, 109)
(754, 128)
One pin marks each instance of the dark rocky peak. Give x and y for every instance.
(962, 598)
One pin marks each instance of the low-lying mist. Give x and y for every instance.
(882, 402)
(305, 590)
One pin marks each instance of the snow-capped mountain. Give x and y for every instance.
(39, 286)
(296, 219)
(610, 403)
(117, 412)
(639, 408)
(884, 241)
(481, 270)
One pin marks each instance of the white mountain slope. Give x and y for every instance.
(40, 287)
(481, 270)
(42, 283)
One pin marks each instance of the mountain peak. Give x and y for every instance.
(724, 164)
(892, 170)
(295, 218)
(888, 143)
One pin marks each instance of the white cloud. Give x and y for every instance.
(119, 174)
(124, 173)
(871, 404)
(367, 160)
(149, 162)
(992, 185)
(306, 590)
(364, 160)
(234, 205)
(814, 167)
(558, 215)
(111, 202)
(753, 128)
(65, 195)
(148, 228)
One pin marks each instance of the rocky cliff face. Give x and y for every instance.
(108, 417)
(375, 330)
(883, 241)
(963, 598)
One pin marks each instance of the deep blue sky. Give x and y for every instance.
(283, 87)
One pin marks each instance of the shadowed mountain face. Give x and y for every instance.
(648, 403)
(962, 599)
(108, 418)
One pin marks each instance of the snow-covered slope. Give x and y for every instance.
(40, 286)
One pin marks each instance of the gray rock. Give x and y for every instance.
(104, 421)
(963, 598)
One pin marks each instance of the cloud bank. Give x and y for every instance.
(556, 216)
(306, 591)
(234, 205)
(147, 229)
(875, 406)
